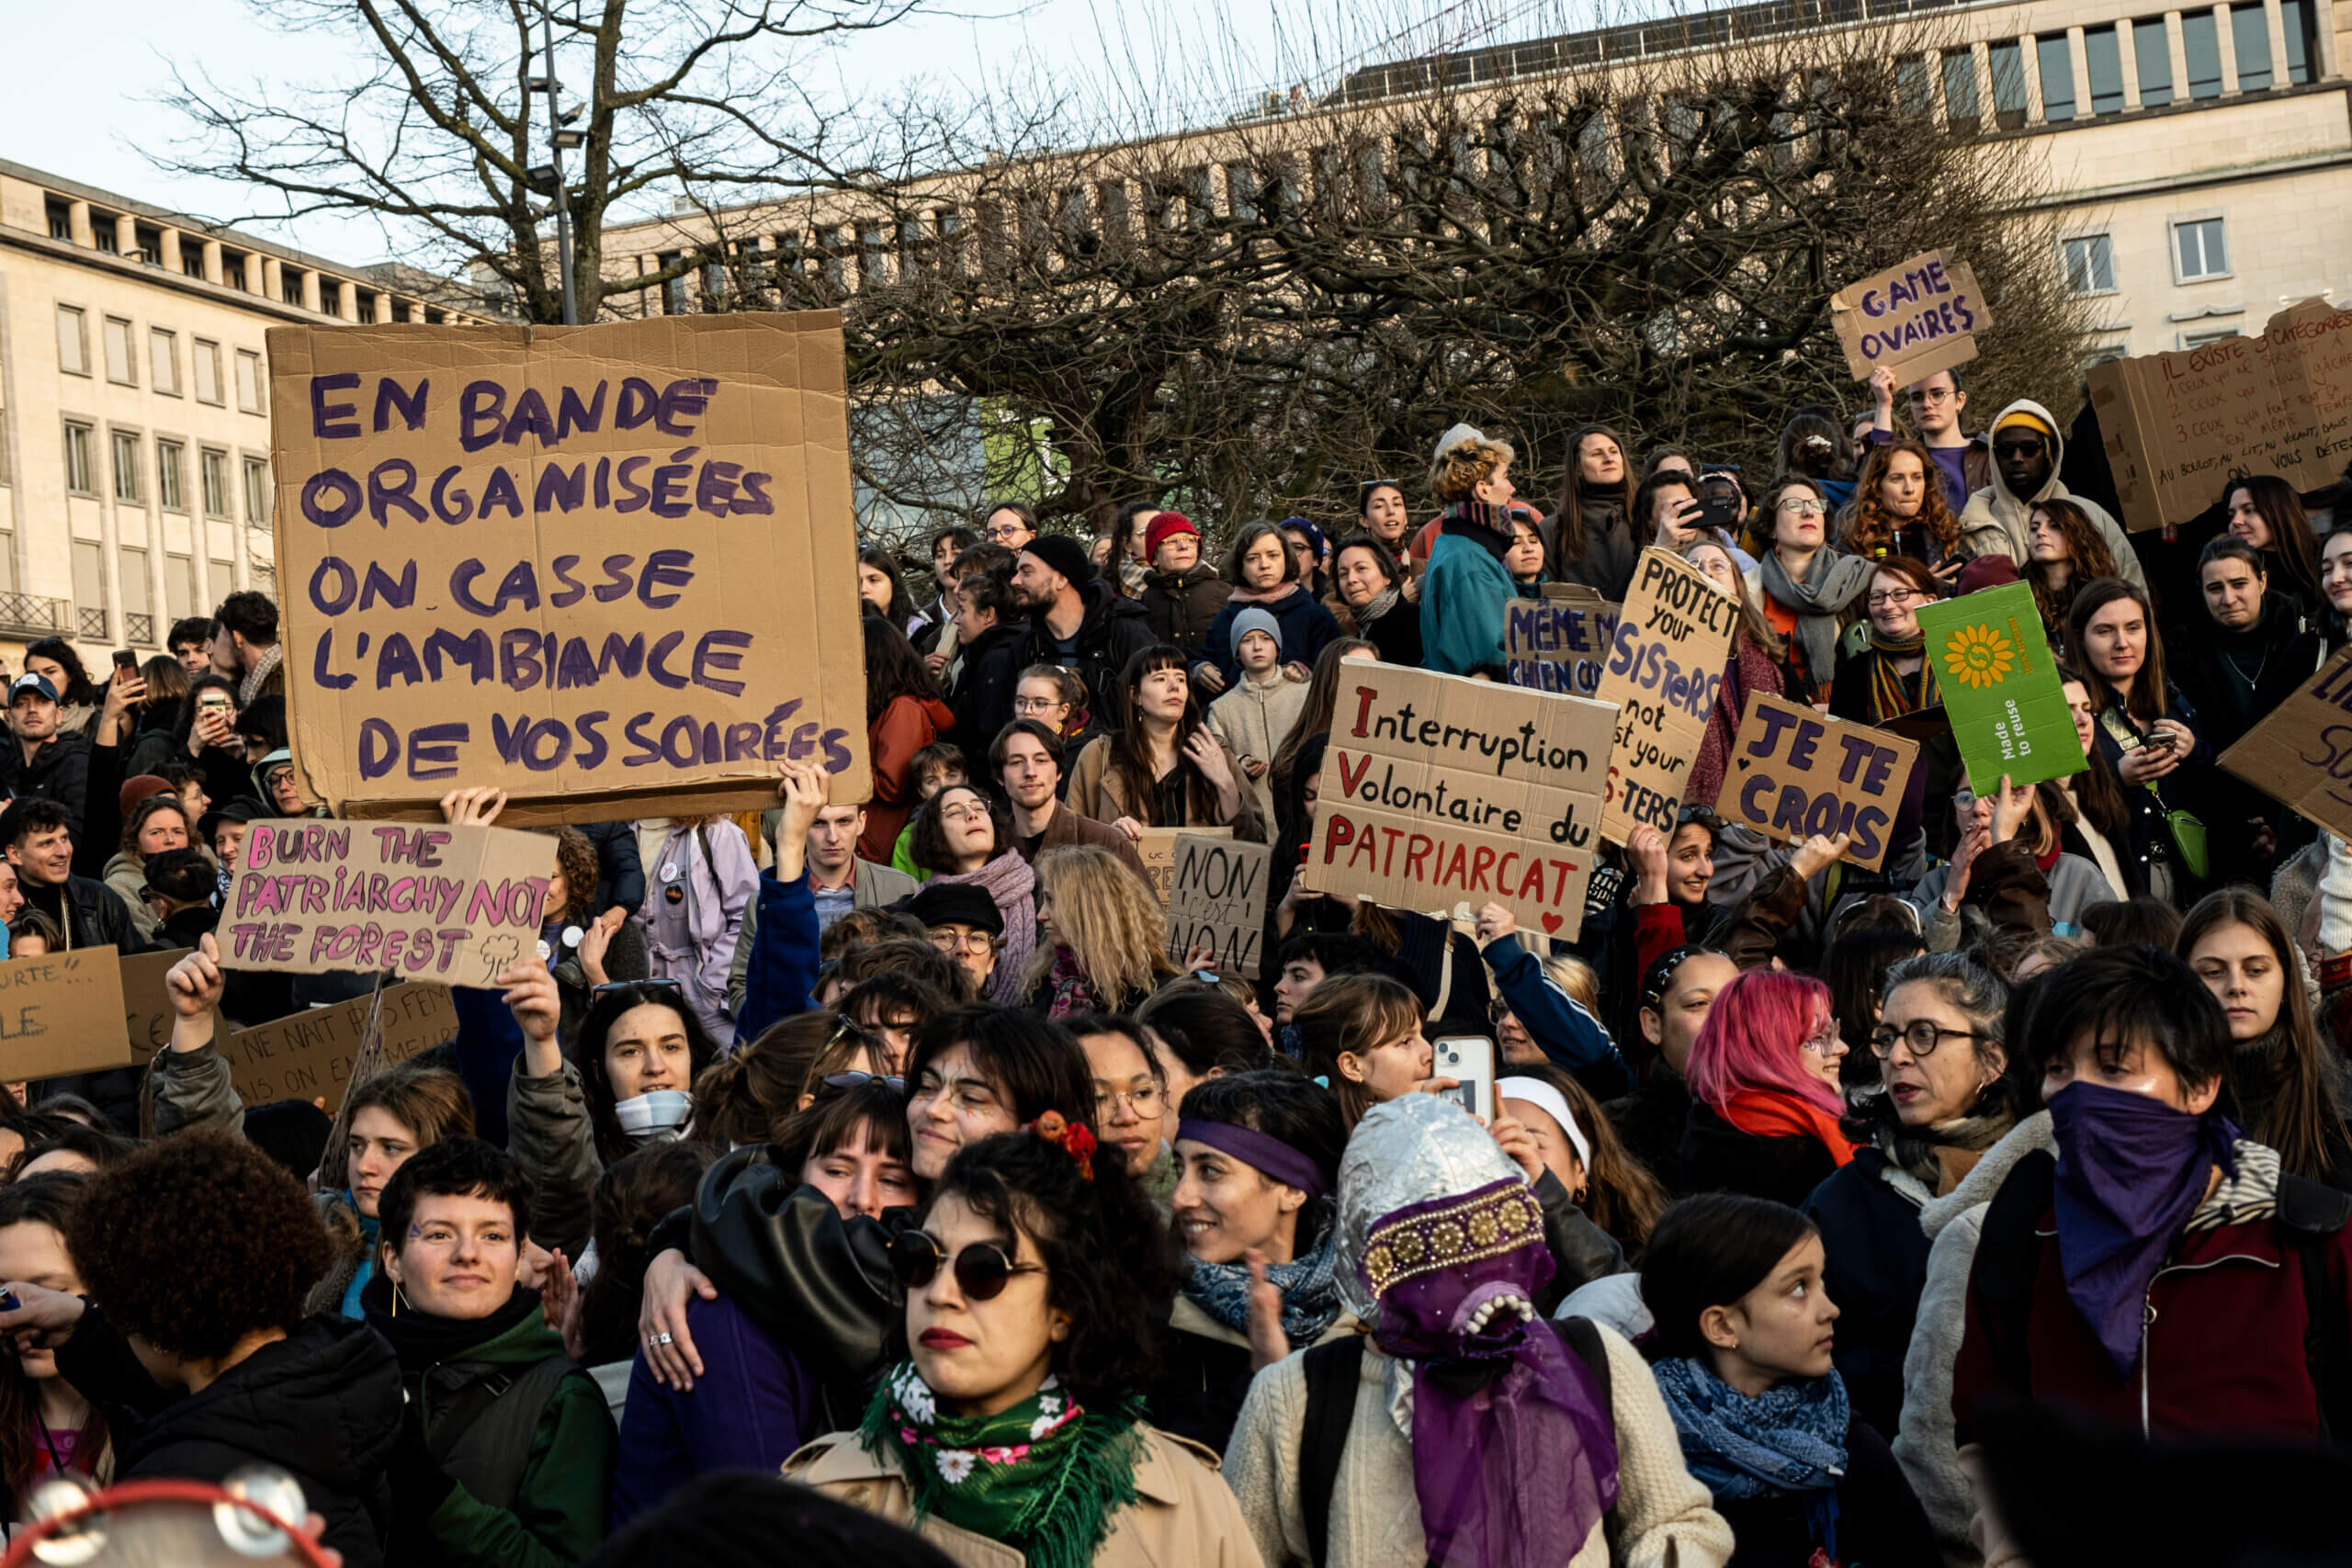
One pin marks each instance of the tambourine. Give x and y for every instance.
(252, 1517)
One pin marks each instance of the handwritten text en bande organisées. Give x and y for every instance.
(491, 419)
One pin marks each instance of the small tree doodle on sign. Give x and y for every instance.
(1218, 900)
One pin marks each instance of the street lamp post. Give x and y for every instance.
(550, 180)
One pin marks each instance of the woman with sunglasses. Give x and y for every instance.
(1764, 1098)
(1037, 1292)
(1258, 1156)
(964, 836)
(1946, 1098)
(1807, 586)
(626, 1081)
(974, 1072)
(761, 1395)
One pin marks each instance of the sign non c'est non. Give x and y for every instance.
(1218, 900)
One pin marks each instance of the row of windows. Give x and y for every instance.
(181, 591)
(104, 237)
(2151, 45)
(2199, 247)
(119, 342)
(128, 470)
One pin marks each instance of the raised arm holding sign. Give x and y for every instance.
(1665, 669)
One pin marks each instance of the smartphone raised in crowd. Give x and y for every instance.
(1719, 512)
(1469, 1060)
(125, 660)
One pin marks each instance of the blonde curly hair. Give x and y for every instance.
(1464, 466)
(1108, 920)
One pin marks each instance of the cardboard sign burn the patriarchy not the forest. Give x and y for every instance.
(592, 566)
(1558, 645)
(450, 904)
(2301, 754)
(2177, 425)
(61, 1014)
(1218, 900)
(1795, 772)
(1914, 319)
(1440, 791)
(1664, 672)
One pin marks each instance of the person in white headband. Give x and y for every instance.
(1544, 1111)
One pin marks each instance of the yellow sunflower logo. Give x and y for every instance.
(1978, 655)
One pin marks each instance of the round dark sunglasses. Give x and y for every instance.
(982, 1271)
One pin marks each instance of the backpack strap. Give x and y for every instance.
(2312, 1216)
(1581, 1336)
(483, 1437)
(1333, 1370)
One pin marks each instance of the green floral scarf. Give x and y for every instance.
(1044, 1477)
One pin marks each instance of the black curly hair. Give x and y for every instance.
(1110, 1263)
(196, 1241)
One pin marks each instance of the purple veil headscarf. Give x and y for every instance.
(1441, 1250)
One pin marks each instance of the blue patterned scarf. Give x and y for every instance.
(1310, 1298)
(1789, 1438)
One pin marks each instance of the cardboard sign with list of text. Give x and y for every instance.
(308, 1056)
(1665, 672)
(1218, 900)
(2301, 754)
(450, 904)
(1795, 772)
(1914, 319)
(62, 1013)
(1157, 849)
(1439, 791)
(593, 566)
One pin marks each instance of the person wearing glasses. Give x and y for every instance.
(1009, 1414)
(1009, 526)
(1130, 1098)
(1764, 1098)
(1964, 462)
(964, 838)
(1805, 586)
(1947, 1097)
(2028, 455)
(1882, 671)
(965, 923)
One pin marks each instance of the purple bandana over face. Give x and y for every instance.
(1514, 1450)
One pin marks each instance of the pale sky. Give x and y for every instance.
(86, 74)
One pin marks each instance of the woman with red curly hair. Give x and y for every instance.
(1899, 510)
(1764, 1100)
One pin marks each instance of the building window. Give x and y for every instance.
(2057, 63)
(2103, 58)
(2250, 32)
(366, 310)
(90, 587)
(207, 358)
(2200, 250)
(2303, 38)
(214, 468)
(1961, 109)
(192, 256)
(2090, 263)
(2200, 41)
(257, 492)
(249, 380)
(163, 361)
(2102, 353)
(61, 219)
(150, 243)
(2151, 53)
(73, 342)
(289, 286)
(2204, 335)
(102, 233)
(119, 367)
(180, 587)
(232, 268)
(126, 466)
(170, 493)
(81, 465)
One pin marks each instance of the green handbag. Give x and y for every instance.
(2187, 840)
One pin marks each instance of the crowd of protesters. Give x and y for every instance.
(843, 1175)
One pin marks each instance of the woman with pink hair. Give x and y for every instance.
(1764, 1100)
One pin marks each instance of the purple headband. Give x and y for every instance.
(1267, 1154)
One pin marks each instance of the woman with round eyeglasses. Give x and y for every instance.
(1882, 671)
(1806, 586)
(963, 837)
(1945, 1099)
(1037, 1294)
(1764, 1095)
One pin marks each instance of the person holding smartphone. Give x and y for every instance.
(207, 736)
(1681, 514)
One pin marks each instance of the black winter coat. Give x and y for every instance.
(1181, 604)
(1650, 1123)
(1877, 1264)
(60, 771)
(323, 1405)
(982, 701)
(1719, 1157)
(1880, 1523)
(1114, 631)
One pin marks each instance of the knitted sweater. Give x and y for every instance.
(1663, 1518)
(1252, 720)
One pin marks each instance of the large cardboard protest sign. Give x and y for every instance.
(146, 1006)
(450, 904)
(308, 1056)
(2301, 754)
(2176, 425)
(592, 566)
(1558, 645)
(1795, 772)
(1439, 790)
(61, 1014)
(1914, 319)
(1157, 849)
(1665, 671)
(2000, 688)
(1216, 899)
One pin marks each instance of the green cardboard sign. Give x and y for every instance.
(2001, 689)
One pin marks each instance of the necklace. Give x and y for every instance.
(2254, 680)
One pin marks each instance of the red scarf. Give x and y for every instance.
(1768, 1115)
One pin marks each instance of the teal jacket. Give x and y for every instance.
(558, 1516)
(1462, 608)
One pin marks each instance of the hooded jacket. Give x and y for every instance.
(1994, 522)
(1113, 631)
(323, 1405)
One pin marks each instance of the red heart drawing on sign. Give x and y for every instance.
(1551, 923)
